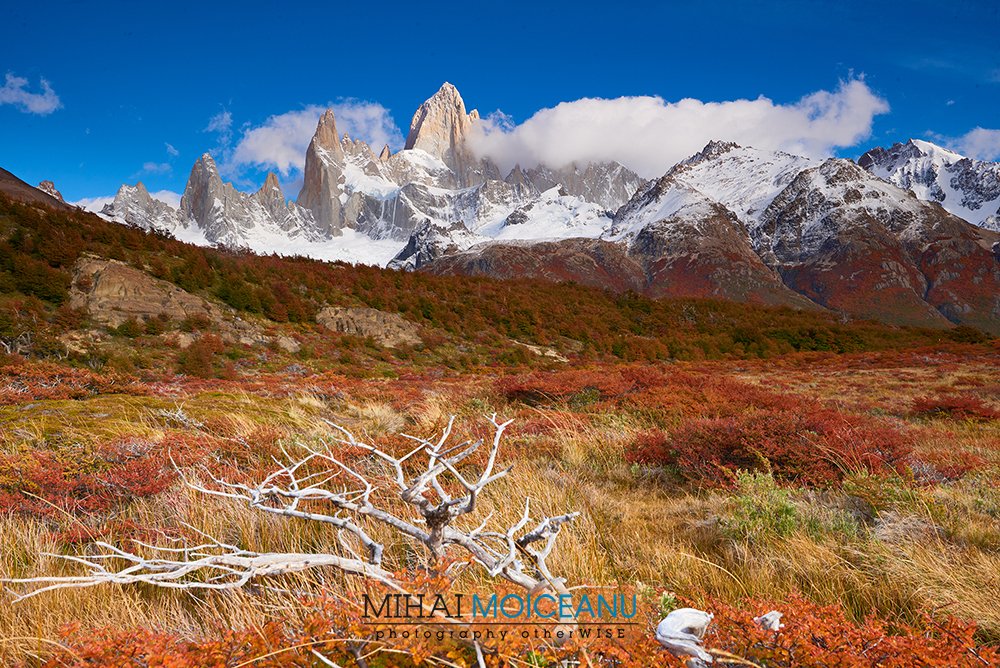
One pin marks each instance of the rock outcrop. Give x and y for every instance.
(112, 292)
(388, 329)
(49, 188)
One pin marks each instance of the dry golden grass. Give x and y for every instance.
(635, 526)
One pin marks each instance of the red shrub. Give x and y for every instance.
(605, 383)
(939, 466)
(198, 359)
(959, 407)
(650, 447)
(816, 635)
(808, 447)
(33, 381)
(45, 483)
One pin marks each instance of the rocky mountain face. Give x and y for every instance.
(748, 225)
(857, 244)
(133, 205)
(227, 216)
(730, 222)
(49, 188)
(968, 188)
(431, 197)
(323, 176)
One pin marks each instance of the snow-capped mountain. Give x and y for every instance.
(742, 178)
(860, 245)
(808, 234)
(731, 222)
(133, 205)
(403, 209)
(968, 188)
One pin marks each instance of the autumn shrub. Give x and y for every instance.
(47, 483)
(32, 381)
(194, 323)
(157, 325)
(940, 466)
(130, 329)
(578, 386)
(823, 635)
(958, 407)
(814, 447)
(198, 359)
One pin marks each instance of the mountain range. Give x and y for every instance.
(907, 234)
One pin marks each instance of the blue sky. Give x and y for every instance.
(132, 88)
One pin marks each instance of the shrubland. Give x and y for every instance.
(732, 458)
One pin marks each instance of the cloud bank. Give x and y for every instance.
(981, 143)
(95, 204)
(15, 91)
(280, 142)
(650, 135)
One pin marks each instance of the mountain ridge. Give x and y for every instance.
(866, 239)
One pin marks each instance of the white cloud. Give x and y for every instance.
(221, 122)
(981, 143)
(280, 142)
(368, 121)
(222, 125)
(15, 92)
(156, 167)
(649, 135)
(171, 151)
(168, 196)
(95, 204)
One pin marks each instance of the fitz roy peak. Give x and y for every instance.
(907, 235)
(433, 196)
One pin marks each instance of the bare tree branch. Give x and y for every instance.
(433, 480)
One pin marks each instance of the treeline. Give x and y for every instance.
(38, 248)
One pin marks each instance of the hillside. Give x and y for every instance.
(54, 307)
(711, 448)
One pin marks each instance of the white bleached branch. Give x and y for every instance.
(434, 480)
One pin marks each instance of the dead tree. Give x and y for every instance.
(433, 481)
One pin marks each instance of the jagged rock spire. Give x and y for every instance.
(441, 127)
(204, 188)
(326, 136)
(271, 196)
(385, 154)
(323, 174)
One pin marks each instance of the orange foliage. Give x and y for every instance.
(46, 483)
(24, 382)
(815, 635)
(811, 447)
(812, 635)
(959, 407)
